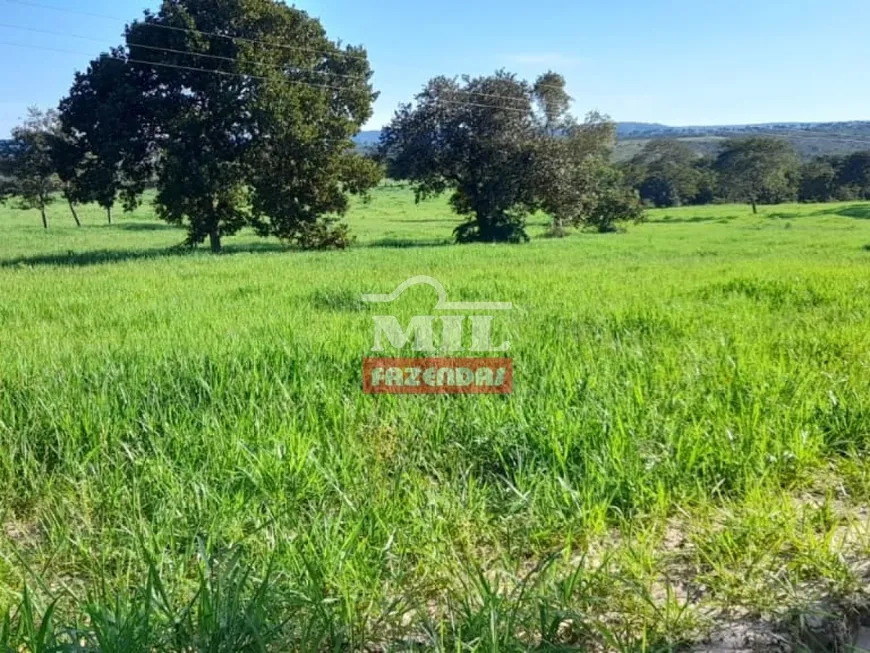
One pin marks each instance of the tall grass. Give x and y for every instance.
(187, 460)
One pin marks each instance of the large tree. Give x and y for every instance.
(474, 137)
(505, 148)
(244, 109)
(757, 168)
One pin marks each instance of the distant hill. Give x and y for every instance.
(810, 139)
(368, 138)
(638, 129)
(653, 130)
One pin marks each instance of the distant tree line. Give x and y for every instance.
(754, 170)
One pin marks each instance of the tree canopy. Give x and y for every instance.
(242, 111)
(28, 165)
(854, 173)
(112, 153)
(758, 169)
(667, 173)
(818, 182)
(575, 183)
(473, 136)
(504, 148)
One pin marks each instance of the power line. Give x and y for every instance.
(31, 3)
(175, 51)
(303, 83)
(476, 104)
(264, 64)
(291, 81)
(35, 30)
(235, 74)
(215, 57)
(221, 72)
(175, 66)
(39, 5)
(64, 10)
(42, 47)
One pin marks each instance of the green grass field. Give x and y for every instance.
(187, 460)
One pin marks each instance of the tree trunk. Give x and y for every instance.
(214, 238)
(109, 213)
(754, 208)
(44, 219)
(72, 209)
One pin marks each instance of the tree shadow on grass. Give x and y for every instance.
(425, 220)
(254, 248)
(105, 256)
(143, 226)
(697, 219)
(859, 211)
(408, 243)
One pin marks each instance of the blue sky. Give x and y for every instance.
(678, 62)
